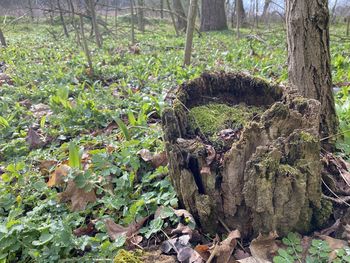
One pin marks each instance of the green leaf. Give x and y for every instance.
(74, 157)
(120, 241)
(123, 128)
(4, 123)
(43, 239)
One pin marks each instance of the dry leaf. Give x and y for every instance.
(263, 247)
(250, 260)
(203, 250)
(77, 196)
(241, 254)
(87, 230)
(57, 176)
(40, 110)
(114, 230)
(34, 139)
(159, 159)
(223, 250)
(145, 154)
(46, 165)
(5, 79)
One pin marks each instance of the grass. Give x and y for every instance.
(53, 92)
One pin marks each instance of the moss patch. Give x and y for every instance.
(213, 118)
(124, 256)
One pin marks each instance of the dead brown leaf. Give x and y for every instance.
(241, 254)
(158, 159)
(5, 79)
(40, 110)
(263, 247)
(114, 230)
(46, 165)
(57, 176)
(78, 197)
(87, 230)
(34, 139)
(223, 250)
(203, 251)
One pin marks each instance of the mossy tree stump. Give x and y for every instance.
(259, 171)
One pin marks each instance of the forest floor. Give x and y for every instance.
(81, 152)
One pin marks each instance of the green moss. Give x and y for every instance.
(215, 117)
(124, 256)
(321, 215)
(307, 137)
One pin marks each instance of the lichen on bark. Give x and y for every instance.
(268, 179)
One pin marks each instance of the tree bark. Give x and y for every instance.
(181, 23)
(190, 30)
(265, 9)
(240, 12)
(347, 26)
(140, 16)
(309, 63)
(172, 18)
(132, 22)
(92, 9)
(65, 30)
(213, 15)
(2, 39)
(263, 177)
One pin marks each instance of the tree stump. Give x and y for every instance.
(258, 169)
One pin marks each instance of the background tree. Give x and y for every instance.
(213, 15)
(192, 14)
(309, 63)
(181, 23)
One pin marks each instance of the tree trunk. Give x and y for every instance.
(30, 5)
(309, 64)
(265, 9)
(132, 22)
(162, 9)
(140, 16)
(65, 30)
(95, 27)
(240, 13)
(347, 26)
(181, 23)
(258, 175)
(172, 18)
(190, 30)
(2, 39)
(213, 15)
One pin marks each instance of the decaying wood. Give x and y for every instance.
(269, 179)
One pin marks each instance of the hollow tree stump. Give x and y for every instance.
(257, 176)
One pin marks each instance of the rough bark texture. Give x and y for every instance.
(309, 57)
(2, 39)
(189, 31)
(240, 12)
(269, 179)
(213, 16)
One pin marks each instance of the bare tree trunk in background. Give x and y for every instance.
(233, 14)
(348, 26)
(75, 26)
(30, 5)
(240, 13)
(265, 10)
(333, 16)
(213, 15)
(92, 9)
(309, 62)
(181, 23)
(192, 14)
(51, 12)
(140, 16)
(116, 17)
(172, 17)
(85, 45)
(161, 9)
(2, 39)
(257, 13)
(132, 22)
(62, 19)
